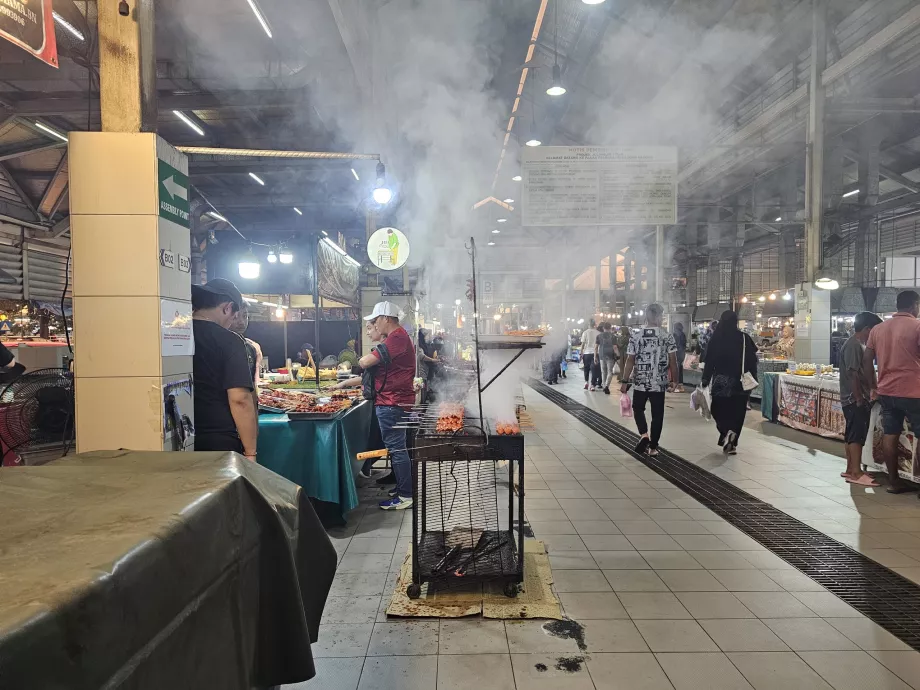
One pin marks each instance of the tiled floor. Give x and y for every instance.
(669, 595)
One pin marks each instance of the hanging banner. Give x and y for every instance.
(338, 278)
(29, 24)
(599, 185)
(388, 249)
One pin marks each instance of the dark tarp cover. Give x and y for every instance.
(338, 279)
(149, 570)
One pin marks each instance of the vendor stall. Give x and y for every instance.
(693, 374)
(874, 460)
(806, 403)
(318, 453)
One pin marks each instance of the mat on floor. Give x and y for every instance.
(536, 600)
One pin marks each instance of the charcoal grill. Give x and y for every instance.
(466, 511)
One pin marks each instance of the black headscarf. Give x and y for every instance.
(723, 354)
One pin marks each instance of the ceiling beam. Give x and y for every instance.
(19, 191)
(55, 188)
(10, 153)
(75, 103)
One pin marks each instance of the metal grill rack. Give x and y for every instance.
(466, 510)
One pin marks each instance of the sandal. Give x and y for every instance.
(864, 480)
(653, 452)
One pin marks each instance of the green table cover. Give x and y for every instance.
(768, 395)
(317, 454)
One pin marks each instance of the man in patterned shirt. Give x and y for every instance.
(651, 355)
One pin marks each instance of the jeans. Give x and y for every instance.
(588, 362)
(395, 442)
(607, 371)
(895, 409)
(657, 401)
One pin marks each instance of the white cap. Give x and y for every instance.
(383, 309)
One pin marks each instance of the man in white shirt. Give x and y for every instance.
(588, 345)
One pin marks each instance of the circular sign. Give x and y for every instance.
(388, 249)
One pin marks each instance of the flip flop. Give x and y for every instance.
(864, 480)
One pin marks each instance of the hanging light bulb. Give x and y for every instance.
(557, 89)
(272, 257)
(762, 298)
(382, 193)
(249, 266)
(533, 141)
(787, 296)
(285, 255)
(772, 295)
(744, 299)
(516, 178)
(279, 313)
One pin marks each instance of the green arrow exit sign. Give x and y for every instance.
(173, 193)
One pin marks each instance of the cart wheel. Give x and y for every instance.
(511, 589)
(414, 591)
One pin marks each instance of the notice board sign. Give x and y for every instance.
(29, 24)
(599, 185)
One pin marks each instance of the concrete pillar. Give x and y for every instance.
(131, 269)
(127, 68)
(659, 265)
(812, 324)
(614, 293)
(866, 258)
(788, 267)
(814, 152)
(691, 282)
(597, 287)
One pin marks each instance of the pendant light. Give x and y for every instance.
(557, 89)
(533, 141)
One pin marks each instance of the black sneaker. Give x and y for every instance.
(643, 445)
(607, 390)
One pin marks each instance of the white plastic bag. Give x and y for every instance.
(700, 400)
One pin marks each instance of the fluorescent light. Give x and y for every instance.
(187, 120)
(215, 214)
(49, 130)
(67, 25)
(853, 193)
(355, 174)
(502, 220)
(532, 142)
(261, 17)
(509, 201)
(257, 179)
(298, 211)
(516, 178)
(325, 233)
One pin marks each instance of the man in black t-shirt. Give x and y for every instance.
(226, 415)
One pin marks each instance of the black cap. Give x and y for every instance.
(222, 287)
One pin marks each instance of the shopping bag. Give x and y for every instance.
(625, 406)
(700, 401)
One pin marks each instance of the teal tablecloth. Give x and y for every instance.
(768, 381)
(317, 454)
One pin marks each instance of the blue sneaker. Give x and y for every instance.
(396, 503)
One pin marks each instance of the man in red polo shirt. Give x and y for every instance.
(394, 394)
(895, 344)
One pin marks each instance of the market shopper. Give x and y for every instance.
(895, 345)
(393, 362)
(680, 339)
(605, 353)
(730, 354)
(253, 349)
(855, 396)
(651, 354)
(588, 345)
(226, 414)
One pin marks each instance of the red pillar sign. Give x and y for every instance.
(29, 24)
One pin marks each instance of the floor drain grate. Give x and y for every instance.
(880, 594)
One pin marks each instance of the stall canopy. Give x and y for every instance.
(710, 312)
(777, 308)
(338, 276)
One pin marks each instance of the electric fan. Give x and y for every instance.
(37, 411)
